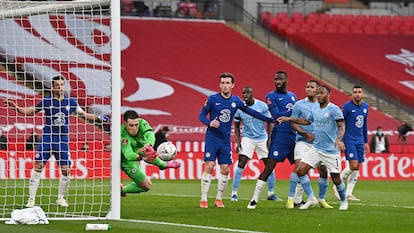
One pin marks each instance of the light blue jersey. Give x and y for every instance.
(253, 128)
(325, 128)
(304, 109)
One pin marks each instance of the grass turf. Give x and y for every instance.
(172, 206)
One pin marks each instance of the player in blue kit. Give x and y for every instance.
(304, 140)
(355, 139)
(220, 108)
(55, 139)
(280, 103)
(254, 139)
(328, 130)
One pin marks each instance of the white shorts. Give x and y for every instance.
(248, 147)
(301, 148)
(315, 158)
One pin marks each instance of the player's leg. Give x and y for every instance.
(43, 153)
(224, 160)
(141, 183)
(261, 182)
(210, 149)
(295, 189)
(353, 178)
(263, 153)
(309, 160)
(238, 172)
(64, 162)
(164, 165)
(245, 153)
(323, 186)
(333, 165)
(354, 154)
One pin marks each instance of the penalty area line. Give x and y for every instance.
(190, 226)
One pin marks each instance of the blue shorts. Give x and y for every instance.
(59, 149)
(282, 147)
(217, 149)
(354, 152)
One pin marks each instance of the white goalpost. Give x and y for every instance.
(79, 41)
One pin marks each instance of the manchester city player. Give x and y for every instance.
(220, 108)
(328, 130)
(55, 138)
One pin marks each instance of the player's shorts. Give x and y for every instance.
(134, 171)
(60, 150)
(316, 157)
(217, 149)
(354, 152)
(249, 146)
(282, 148)
(301, 148)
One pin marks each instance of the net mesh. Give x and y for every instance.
(38, 41)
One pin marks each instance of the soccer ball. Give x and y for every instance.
(166, 151)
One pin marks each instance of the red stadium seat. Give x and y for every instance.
(373, 19)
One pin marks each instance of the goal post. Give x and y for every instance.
(80, 41)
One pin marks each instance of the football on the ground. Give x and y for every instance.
(166, 151)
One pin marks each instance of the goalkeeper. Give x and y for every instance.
(137, 140)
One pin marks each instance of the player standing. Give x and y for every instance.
(328, 129)
(355, 139)
(280, 103)
(55, 138)
(304, 140)
(255, 138)
(137, 139)
(221, 108)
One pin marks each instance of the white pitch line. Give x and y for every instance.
(191, 226)
(334, 202)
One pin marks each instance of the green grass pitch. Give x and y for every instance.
(172, 206)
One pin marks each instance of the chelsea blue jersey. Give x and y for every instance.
(57, 114)
(356, 129)
(223, 110)
(281, 104)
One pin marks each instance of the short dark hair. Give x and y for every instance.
(281, 72)
(326, 88)
(227, 75)
(57, 78)
(130, 114)
(314, 81)
(357, 87)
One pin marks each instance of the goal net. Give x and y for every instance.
(40, 40)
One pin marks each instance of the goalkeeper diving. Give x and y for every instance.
(137, 141)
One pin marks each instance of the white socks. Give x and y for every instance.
(352, 180)
(222, 184)
(63, 186)
(205, 185)
(34, 184)
(260, 184)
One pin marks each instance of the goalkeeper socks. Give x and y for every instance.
(222, 184)
(133, 188)
(205, 185)
(159, 163)
(236, 179)
(34, 184)
(353, 178)
(323, 186)
(258, 189)
(63, 186)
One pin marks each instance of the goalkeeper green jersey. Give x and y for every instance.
(130, 145)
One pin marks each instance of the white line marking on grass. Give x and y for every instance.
(191, 226)
(332, 202)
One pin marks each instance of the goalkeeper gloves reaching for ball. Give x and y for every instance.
(149, 154)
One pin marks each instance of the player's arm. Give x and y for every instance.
(300, 121)
(204, 112)
(89, 116)
(255, 114)
(127, 151)
(341, 132)
(23, 110)
(237, 134)
(299, 130)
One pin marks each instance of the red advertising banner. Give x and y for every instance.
(18, 164)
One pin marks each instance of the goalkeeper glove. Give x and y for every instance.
(149, 154)
(103, 118)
